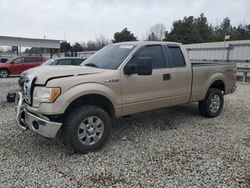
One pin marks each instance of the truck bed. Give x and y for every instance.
(204, 73)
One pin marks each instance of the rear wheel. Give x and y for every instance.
(86, 129)
(4, 73)
(212, 105)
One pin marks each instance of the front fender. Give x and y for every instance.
(66, 98)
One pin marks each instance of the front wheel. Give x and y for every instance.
(4, 73)
(212, 105)
(86, 129)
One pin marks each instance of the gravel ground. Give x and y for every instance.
(166, 148)
(7, 85)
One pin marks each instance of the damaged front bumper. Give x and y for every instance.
(26, 120)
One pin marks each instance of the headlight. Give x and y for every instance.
(44, 94)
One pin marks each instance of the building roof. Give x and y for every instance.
(29, 42)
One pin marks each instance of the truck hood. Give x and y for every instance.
(45, 73)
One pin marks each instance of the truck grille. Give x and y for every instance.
(28, 88)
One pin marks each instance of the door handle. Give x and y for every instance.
(166, 76)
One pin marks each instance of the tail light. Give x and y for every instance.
(235, 73)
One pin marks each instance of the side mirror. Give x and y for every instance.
(141, 66)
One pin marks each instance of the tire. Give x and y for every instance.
(83, 136)
(4, 73)
(212, 105)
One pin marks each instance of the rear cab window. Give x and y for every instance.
(175, 56)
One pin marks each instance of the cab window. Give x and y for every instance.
(176, 56)
(154, 52)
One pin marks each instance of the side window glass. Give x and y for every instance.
(55, 62)
(75, 62)
(79, 61)
(30, 59)
(18, 60)
(176, 56)
(155, 53)
(65, 62)
(39, 59)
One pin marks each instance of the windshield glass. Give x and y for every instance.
(49, 62)
(109, 57)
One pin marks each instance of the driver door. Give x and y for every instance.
(142, 93)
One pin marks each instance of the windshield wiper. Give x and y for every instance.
(91, 65)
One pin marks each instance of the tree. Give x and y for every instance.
(152, 37)
(102, 41)
(84, 46)
(77, 47)
(225, 28)
(204, 29)
(241, 32)
(157, 32)
(191, 30)
(124, 36)
(182, 31)
(65, 47)
(91, 46)
(36, 50)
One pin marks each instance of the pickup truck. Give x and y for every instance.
(19, 64)
(119, 80)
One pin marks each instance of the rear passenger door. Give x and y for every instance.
(180, 73)
(142, 93)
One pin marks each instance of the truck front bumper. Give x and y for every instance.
(26, 120)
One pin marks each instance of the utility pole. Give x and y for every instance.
(44, 37)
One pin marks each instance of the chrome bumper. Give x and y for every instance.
(26, 120)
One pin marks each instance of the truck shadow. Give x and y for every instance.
(159, 120)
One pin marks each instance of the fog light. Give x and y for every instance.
(35, 125)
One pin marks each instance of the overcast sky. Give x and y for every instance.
(83, 20)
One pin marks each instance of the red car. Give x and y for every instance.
(19, 64)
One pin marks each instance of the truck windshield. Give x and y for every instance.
(109, 57)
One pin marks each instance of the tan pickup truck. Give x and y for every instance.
(119, 80)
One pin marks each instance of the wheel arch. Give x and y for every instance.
(5, 68)
(218, 84)
(217, 81)
(93, 99)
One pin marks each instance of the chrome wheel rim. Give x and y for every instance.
(90, 130)
(3, 73)
(215, 103)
